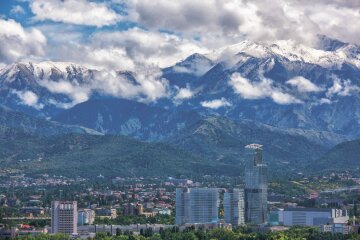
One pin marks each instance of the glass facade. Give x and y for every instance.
(197, 205)
(255, 185)
(234, 207)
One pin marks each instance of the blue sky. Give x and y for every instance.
(122, 34)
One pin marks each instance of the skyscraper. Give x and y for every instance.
(234, 207)
(64, 217)
(197, 205)
(255, 186)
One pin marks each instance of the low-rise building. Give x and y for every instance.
(32, 210)
(313, 216)
(106, 213)
(339, 228)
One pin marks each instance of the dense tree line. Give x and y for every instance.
(215, 234)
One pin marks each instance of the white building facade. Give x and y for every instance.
(313, 216)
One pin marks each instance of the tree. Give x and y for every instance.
(118, 232)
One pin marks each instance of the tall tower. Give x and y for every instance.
(256, 185)
(234, 207)
(64, 217)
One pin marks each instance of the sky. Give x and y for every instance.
(126, 34)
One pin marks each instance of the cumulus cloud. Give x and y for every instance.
(342, 88)
(184, 93)
(216, 103)
(29, 98)
(76, 93)
(220, 22)
(303, 84)
(260, 89)
(142, 46)
(149, 84)
(18, 42)
(79, 12)
(324, 101)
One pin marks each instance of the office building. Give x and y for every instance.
(314, 216)
(234, 207)
(64, 217)
(86, 217)
(255, 185)
(197, 205)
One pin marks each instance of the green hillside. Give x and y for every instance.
(344, 156)
(91, 155)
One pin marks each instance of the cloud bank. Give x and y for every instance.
(17, 42)
(260, 90)
(80, 12)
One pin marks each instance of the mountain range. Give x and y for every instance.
(297, 101)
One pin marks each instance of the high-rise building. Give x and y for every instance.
(234, 207)
(64, 217)
(197, 205)
(182, 206)
(256, 185)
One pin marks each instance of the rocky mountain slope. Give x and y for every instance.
(38, 126)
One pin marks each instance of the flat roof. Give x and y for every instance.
(308, 209)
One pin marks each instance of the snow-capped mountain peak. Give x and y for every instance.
(292, 51)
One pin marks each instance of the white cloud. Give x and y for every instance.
(149, 85)
(17, 10)
(215, 104)
(18, 42)
(198, 65)
(260, 89)
(110, 58)
(77, 94)
(324, 101)
(151, 48)
(81, 12)
(303, 84)
(250, 90)
(342, 88)
(29, 98)
(184, 93)
(221, 22)
(283, 98)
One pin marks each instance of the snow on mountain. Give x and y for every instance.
(348, 53)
